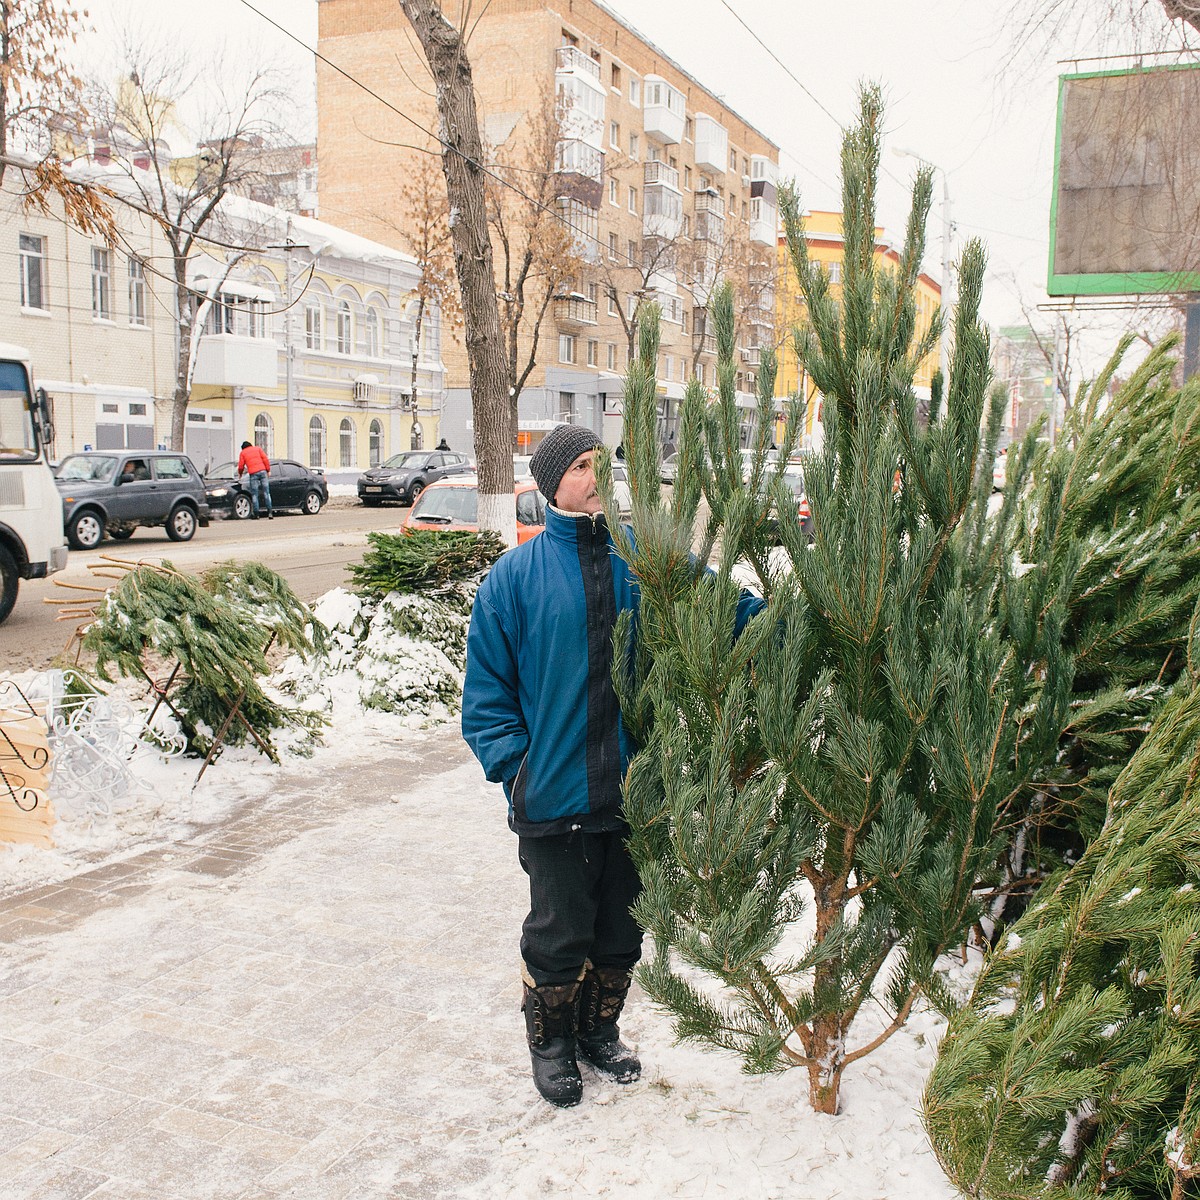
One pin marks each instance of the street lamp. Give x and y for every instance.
(949, 298)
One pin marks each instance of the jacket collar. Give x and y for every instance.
(570, 527)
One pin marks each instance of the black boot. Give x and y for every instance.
(550, 1019)
(601, 999)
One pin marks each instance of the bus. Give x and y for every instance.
(32, 544)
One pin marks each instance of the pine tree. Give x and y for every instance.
(1108, 521)
(1075, 1068)
(816, 802)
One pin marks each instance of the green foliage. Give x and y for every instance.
(217, 628)
(1100, 536)
(431, 562)
(843, 767)
(1073, 1070)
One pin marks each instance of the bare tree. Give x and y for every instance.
(37, 87)
(539, 255)
(425, 234)
(184, 194)
(444, 47)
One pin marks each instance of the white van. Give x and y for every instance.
(32, 544)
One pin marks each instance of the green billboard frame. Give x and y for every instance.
(1135, 283)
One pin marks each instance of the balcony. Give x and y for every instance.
(226, 360)
(574, 311)
(709, 202)
(712, 144)
(751, 355)
(570, 60)
(710, 227)
(580, 168)
(660, 172)
(764, 222)
(662, 215)
(664, 110)
(705, 343)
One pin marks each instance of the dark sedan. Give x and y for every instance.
(292, 485)
(404, 477)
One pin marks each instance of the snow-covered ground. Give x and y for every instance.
(695, 1126)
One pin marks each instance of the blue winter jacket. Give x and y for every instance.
(539, 709)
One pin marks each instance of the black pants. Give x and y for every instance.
(581, 886)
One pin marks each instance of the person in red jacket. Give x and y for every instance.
(254, 460)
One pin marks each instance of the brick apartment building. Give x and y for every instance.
(646, 154)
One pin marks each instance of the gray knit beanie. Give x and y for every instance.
(556, 452)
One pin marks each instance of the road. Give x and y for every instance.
(311, 553)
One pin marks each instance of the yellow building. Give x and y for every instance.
(825, 246)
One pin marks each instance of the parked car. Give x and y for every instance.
(454, 504)
(403, 477)
(621, 493)
(292, 485)
(115, 491)
(666, 469)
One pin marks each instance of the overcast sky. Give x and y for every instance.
(966, 90)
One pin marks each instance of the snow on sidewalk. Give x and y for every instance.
(308, 988)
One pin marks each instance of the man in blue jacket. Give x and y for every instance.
(541, 715)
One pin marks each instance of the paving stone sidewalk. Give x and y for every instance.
(316, 999)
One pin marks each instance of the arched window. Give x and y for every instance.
(264, 434)
(346, 442)
(375, 443)
(372, 327)
(345, 329)
(316, 442)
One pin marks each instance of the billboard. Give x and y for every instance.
(1125, 215)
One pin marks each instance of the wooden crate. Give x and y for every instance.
(26, 814)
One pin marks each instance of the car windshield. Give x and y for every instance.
(87, 467)
(410, 460)
(225, 470)
(451, 505)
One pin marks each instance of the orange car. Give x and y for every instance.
(454, 504)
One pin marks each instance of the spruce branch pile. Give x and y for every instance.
(443, 563)
(1075, 1068)
(217, 629)
(816, 803)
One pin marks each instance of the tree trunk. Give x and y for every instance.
(462, 164)
(186, 334)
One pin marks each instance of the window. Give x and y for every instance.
(635, 92)
(633, 146)
(683, 321)
(705, 183)
(316, 442)
(101, 292)
(687, 178)
(264, 433)
(733, 160)
(632, 199)
(612, 356)
(631, 251)
(687, 129)
(700, 373)
(612, 192)
(593, 292)
(593, 354)
(616, 78)
(137, 292)
(835, 272)
(614, 134)
(566, 407)
(666, 366)
(346, 440)
(375, 443)
(612, 246)
(371, 322)
(345, 330)
(566, 348)
(686, 228)
(312, 326)
(569, 39)
(613, 311)
(164, 468)
(33, 271)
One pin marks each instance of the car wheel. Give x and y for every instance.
(312, 503)
(181, 524)
(85, 530)
(10, 580)
(122, 535)
(415, 489)
(242, 507)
